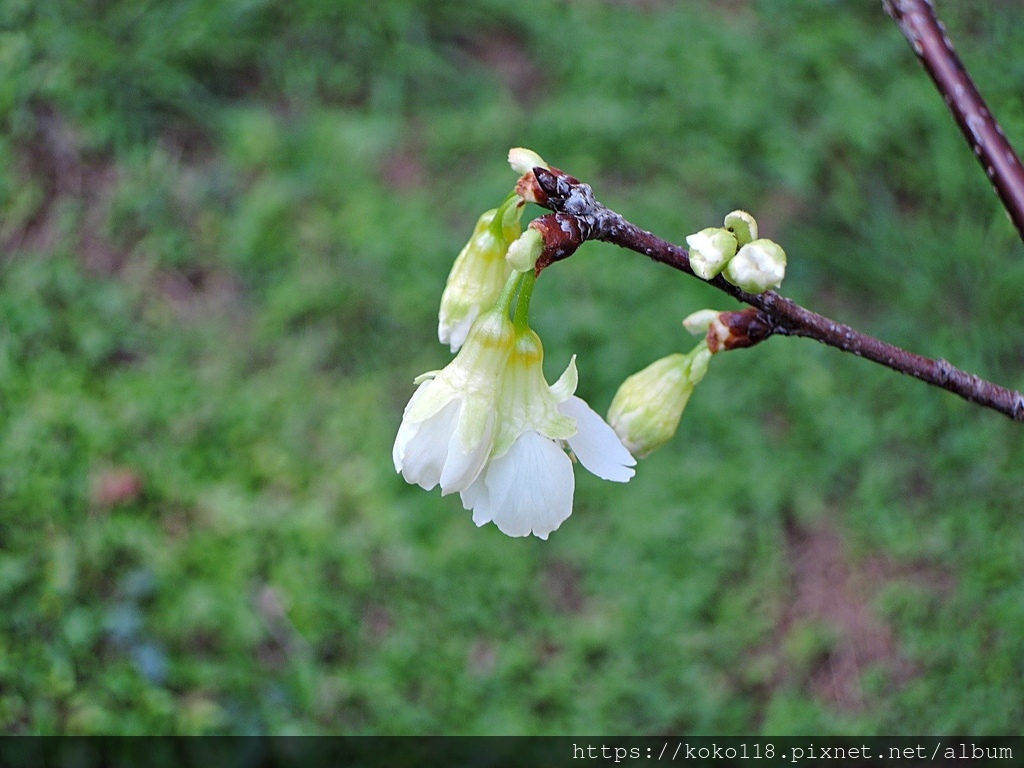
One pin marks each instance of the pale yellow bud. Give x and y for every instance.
(522, 254)
(699, 322)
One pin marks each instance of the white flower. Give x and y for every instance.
(476, 278)
(449, 425)
(758, 266)
(527, 485)
(710, 250)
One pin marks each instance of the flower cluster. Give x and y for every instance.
(488, 426)
(646, 410)
(758, 265)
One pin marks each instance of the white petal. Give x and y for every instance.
(425, 448)
(595, 443)
(530, 488)
(475, 498)
(461, 467)
(454, 334)
(407, 429)
(405, 433)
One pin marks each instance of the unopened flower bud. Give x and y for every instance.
(698, 322)
(645, 412)
(743, 225)
(709, 324)
(710, 251)
(757, 267)
(474, 282)
(729, 330)
(522, 254)
(525, 160)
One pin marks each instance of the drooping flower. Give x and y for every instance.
(527, 484)
(479, 272)
(645, 412)
(448, 427)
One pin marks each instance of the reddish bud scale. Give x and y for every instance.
(552, 181)
(746, 328)
(563, 234)
(538, 185)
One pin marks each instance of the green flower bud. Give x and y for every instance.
(645, 412)
(743, 225)
(710, 251)
(475, 281)
(522, 254)
(757, 267)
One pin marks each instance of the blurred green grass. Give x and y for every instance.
(225, 227)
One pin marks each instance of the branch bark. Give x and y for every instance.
(926, 34)
(577, 217)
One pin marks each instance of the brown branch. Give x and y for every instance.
(927, 36)
(579, 217)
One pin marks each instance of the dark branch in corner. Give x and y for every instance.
(927, 36)
(577, 217)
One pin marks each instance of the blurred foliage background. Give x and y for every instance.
(225, 226)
